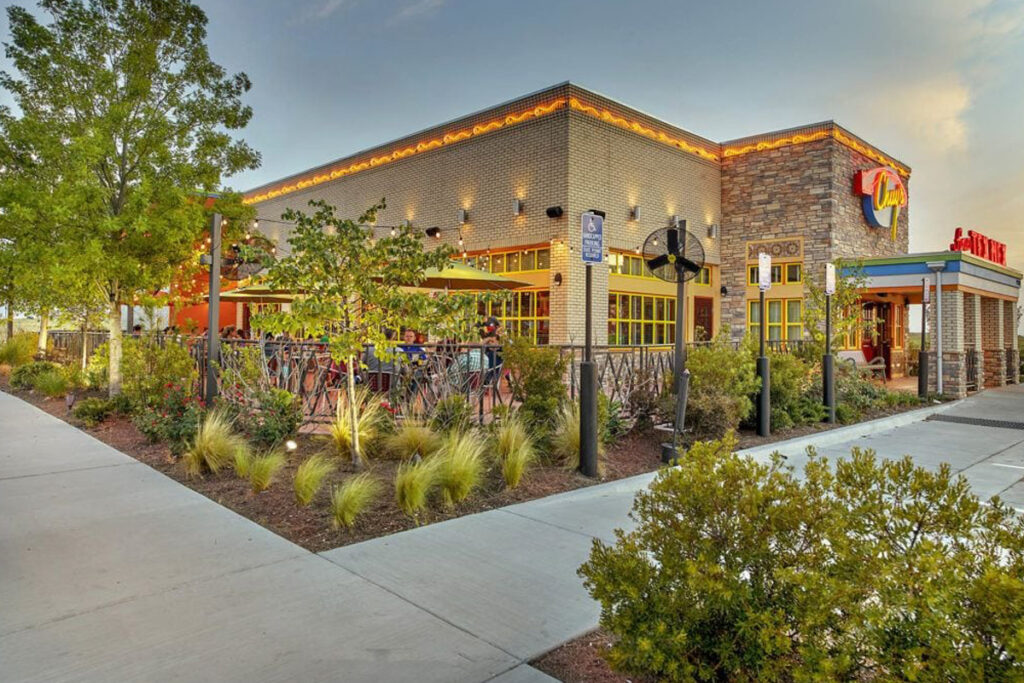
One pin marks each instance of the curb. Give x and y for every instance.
(849, 433)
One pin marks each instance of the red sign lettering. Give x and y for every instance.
(979, 245)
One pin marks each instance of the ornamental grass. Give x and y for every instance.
(309, 477)
(264, 469)
(413, 484)
(370, 419)
(214, 445)
(460, 465)
(514, 450)
(414, 437)
(352, 497)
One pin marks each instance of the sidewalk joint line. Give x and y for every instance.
(73, 469)
(550, 524)
(437, 616)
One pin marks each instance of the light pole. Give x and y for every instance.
(828, 362)
(922, 355)
(937, 267)
(213, 314)
(764, 403)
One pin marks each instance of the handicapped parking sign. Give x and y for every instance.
(592, 228)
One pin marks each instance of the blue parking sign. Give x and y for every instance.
(592, 227)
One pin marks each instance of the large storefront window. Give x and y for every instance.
(526, 314)
(635, 319)
(785, 319)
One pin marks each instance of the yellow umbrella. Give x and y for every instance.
(462, 277)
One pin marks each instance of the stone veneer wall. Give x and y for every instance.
(805, 191)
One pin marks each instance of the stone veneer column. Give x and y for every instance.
(972, 333)
(954, 362)
(993, 346)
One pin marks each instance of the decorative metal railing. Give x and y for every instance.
(411, 382)
(972, 363)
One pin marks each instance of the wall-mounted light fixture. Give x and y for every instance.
(434, 232)
(463, 216)
(634, 213)
(673, 221)
(723, 290)
(517, 207)
(713, 231)
(554, 211)
(557, 280)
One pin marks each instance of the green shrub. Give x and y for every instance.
(610, 423)
(268, 418)
(174, 418)
(350, 499)
(739, 570)
(309, 477)
(413, 437)
(214, 445)
(460, 466)
(643, 399)
(565, 442)
(452, 414)
(148, 365)
(92, 411)
(710, 414)
(513, 449)
(263, 469)
(855, 393)
(413, 484)
(900, 399)
(537, 378)
(731, 371)
(371, 418)
(19, 349)
(24, 376)
(52, 384)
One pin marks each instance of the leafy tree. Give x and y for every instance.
(127, 90)
(354, 287)
(845, 304)
(867, 570)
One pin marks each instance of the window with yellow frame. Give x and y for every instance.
(517, 261)
(782, 274)
(898, 326)
(785, 319)
(633, 266)
(525, 314)
(635, 319)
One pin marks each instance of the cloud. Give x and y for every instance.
(418, 9)
(323, 9)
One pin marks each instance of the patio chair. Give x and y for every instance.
(874, 367)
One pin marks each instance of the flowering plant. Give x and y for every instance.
(174, 417)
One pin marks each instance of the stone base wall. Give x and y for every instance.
(993, 373)
(1013, 377)
(954, 374)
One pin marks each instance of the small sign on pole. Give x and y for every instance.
(592, 228)
(926, 291)
(830, 279)
(764, 272)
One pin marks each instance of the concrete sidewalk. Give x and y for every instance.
(110, 571)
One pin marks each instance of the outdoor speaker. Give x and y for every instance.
(554, 211)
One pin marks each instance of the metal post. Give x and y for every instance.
(922, 355)
(828, 365)
(937, 268)
(213, 321)
(764, 405)
(588, 389)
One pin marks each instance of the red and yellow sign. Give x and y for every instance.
(883, 194)
(979, 245)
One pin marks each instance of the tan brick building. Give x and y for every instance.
(488, 180)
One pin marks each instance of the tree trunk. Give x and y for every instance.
(44, 329)
(114, 347)
(10, 318)
(357, 458)
(85, 343)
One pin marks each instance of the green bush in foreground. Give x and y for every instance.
(866, 570)
(92, 411)
(19, 349)
(349, 500)
(24, 376)
(309, 477)
(52, 383)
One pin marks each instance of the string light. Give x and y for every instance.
(394, 231)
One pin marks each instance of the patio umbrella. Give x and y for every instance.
(459, 276)
(257, 294)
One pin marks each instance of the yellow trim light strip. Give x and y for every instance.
(801, 138)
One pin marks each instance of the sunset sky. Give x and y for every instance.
(939, 84)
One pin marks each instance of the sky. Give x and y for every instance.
(939, 84)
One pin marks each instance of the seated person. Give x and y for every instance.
(414, 353)
(375, 365)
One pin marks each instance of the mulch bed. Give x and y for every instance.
(311, 527)
(582, 661)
